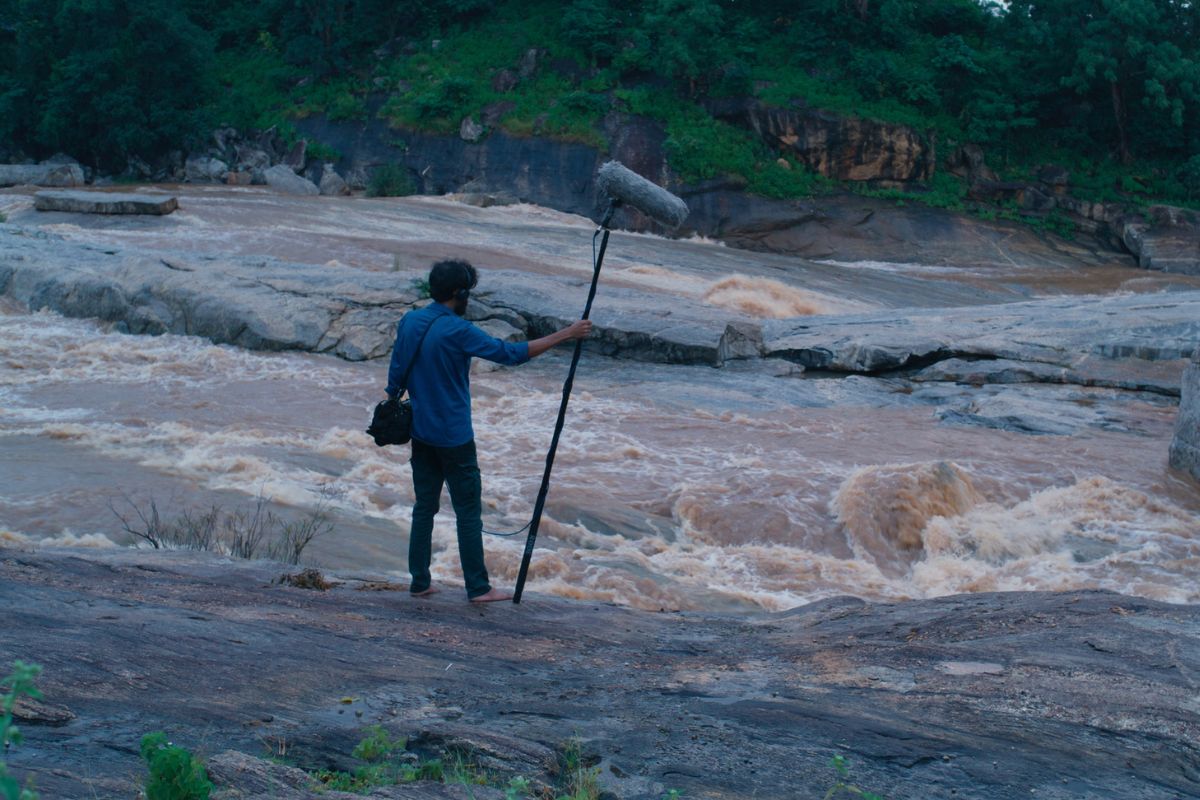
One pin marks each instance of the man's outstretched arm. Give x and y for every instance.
(576, 330)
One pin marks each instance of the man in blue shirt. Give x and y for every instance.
(443, 441)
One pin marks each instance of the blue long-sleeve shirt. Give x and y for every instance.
(440, 384)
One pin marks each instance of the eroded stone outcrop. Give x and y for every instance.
(1185, 447)
(1123, 341)
(1168, 239)
(56, 174)
(841, 147)
(266, 304)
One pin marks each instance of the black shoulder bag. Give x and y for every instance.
(392, 420)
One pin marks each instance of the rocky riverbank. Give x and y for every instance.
(1080, 694)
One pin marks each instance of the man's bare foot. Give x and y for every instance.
(493, 596)
(426, 593)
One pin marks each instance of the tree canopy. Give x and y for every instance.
(107, 79)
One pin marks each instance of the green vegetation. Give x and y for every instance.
(18, 684)
(841, 788)
(386, 762)
(391, 180)
(421, 287)
(577, 780)
(1110, 90)
(175, 774)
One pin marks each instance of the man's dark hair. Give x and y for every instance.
(448, 277)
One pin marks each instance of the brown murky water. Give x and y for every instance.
(675, 487)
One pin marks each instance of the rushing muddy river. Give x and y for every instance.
(675, 486)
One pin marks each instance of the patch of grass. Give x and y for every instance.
(781, 86)
(391, 180)
(518, 789)
(19, 683)
(319, 151)
(386, 762)
(175, 774)
(943, 191)
(577, 780)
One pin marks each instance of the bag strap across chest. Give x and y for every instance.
(413, 361)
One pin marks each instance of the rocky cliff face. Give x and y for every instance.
(838, 147)
(1185, 448)
(561, 175)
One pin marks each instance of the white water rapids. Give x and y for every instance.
(675, 487)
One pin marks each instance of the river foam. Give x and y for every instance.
(659, 501)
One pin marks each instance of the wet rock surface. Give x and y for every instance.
(1078, 694)
(1185, 447)
(1124, 341)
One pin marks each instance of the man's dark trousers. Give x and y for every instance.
(457, 468)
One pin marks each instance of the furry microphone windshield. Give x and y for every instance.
(620, 183)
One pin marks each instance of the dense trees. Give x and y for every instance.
(105, 79)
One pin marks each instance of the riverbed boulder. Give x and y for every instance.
(84, 202)
(1168, 239)
(251, 157)
(332, 183)
(968, 161)
(46, 174)
(283, 179)
(1185, 447)
(205, 169)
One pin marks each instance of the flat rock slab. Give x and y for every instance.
(105, 203)
(988, 696)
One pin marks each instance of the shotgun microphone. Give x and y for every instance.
(623, 185)
(620, 185)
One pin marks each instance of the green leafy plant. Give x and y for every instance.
(391, 180)
(318, 151)
(18, 684)
(175, 774)
(842, 766)
(421, 287)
